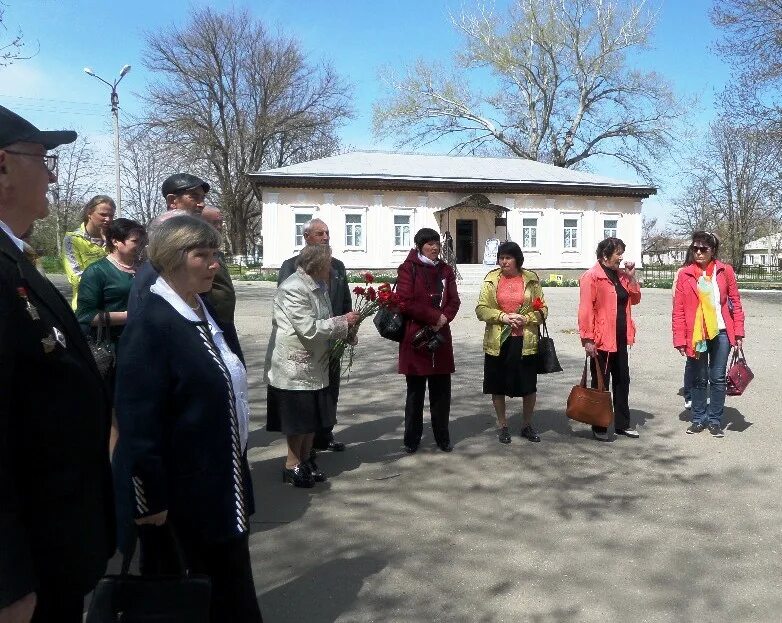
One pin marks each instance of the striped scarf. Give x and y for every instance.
(705, 328)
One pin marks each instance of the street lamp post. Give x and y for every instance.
(115, 112)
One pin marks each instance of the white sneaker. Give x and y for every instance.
(688, 404)
(628, 432)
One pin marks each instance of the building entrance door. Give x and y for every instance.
(466, 241)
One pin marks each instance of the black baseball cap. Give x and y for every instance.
(15, 129)
(182, 181)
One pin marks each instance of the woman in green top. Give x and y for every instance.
(105, 285)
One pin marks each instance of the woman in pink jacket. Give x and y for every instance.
(605, 323)
(707, 320)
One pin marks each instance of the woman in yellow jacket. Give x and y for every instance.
(87, 244)
(512, 306)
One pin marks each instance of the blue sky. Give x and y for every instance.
(357, 36)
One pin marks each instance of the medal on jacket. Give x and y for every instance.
(48, 343)
(22, 292)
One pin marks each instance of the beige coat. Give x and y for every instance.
(298, 353)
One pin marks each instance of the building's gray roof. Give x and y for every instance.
(372, 169)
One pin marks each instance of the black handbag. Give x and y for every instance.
(390, 324)
(101, 346)
(126, 598)
(547, 353)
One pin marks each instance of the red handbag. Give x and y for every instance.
(739, 375)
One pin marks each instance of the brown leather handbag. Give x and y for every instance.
(591, 406)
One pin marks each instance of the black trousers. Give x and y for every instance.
(53, 606)
(324, 436)
(226, 563)
(439, 405)
(616, 369)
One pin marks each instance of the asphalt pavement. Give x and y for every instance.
(669, 527)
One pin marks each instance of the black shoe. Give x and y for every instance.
(600, 435)
(317, 473)
(529, 433)
(503, 434)
(716, 431)
(695, 428)
(445, 446)
(628, 432)
(299, 476)
(335, 446)
(411, 449)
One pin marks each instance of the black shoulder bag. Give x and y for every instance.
(390, 323)
(547, 353)
(181, 598)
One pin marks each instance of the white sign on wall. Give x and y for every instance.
(490, 251)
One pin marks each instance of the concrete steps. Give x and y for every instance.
(472, 274)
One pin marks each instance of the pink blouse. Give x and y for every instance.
(510, 296)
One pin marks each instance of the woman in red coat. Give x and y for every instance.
(707, 320)
(427, 288)
(605, 323)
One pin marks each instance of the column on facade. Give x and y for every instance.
(270, 229)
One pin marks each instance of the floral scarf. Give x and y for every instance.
(705, 328)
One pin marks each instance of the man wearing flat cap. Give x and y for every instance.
(184, 194)
(56, 504)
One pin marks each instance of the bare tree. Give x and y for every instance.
(752, 42)
(146, 161)
(76, 172)
(734, 189)
(11, 48)
(564, 92)
(656, 241)
(232, 98)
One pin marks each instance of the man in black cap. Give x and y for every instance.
(56, 503)
(184, 193)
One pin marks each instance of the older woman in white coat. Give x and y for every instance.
(297, 361)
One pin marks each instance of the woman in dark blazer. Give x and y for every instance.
(427, 288)
(181, 401)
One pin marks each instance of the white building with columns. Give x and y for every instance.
(374, 202)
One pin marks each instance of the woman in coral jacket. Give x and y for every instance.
(707, 320)
(605, 323)
(427, 288)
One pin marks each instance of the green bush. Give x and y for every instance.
(52, 265)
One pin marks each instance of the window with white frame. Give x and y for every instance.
(529, 233)
(570, 233)
(762, 260)
(300, 219)
(751, 259)
(746, 259)
(402, 231)
(609, 228)
(354, 231)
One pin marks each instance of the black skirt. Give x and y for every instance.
(510, 373)
(297, 412)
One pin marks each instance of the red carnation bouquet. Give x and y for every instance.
(535, 306)
(366, 301)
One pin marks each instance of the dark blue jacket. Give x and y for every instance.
(179, 443)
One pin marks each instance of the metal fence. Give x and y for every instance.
(746, 274)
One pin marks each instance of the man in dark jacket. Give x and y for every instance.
(184, 193)
(317, 232)
(222, 296)
(56, 503)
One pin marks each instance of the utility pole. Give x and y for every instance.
(115, 112)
